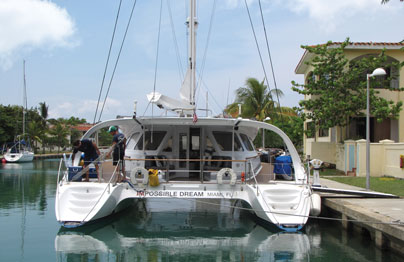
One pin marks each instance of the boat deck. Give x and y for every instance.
(266, 175)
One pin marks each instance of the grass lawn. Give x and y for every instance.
(381, 184)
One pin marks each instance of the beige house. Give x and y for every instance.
(345, 147)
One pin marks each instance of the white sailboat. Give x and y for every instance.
(20, 150)
(197, 158)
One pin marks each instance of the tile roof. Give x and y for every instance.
(82, 127)
(352, 45)
(373, 43)
(360, 44)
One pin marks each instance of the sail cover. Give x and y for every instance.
(168, 103)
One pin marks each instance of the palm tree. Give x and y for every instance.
(36, 133)
(256, 101)
(43, 112)
(59, 133)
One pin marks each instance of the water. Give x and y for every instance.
(180, 230)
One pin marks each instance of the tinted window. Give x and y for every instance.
(169, 146)
(223, 139)
(246, 142)
(152, 141)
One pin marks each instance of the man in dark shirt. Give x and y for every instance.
(119, 144)
(91, 153)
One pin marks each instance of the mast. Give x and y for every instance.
(24, 101)
(192, 26)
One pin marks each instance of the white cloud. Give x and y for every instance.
(83, 108)
(329, 13)
(28, 24)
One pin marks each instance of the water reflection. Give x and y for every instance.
(143, 234)
(28, 183)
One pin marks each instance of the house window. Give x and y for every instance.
(310, 130)
(323, 132)
(311, 78)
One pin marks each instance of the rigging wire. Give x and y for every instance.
(117, 59)
(256, 42)
(206, 47)
(106, 64)
(177, 51)
(156, 64)
(270, 58)
(210, 93)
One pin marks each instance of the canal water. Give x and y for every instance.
(180, 230)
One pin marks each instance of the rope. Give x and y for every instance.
(157, 53)
(206, 47)
(106, 64)
(117, 59)
(256, 42)
(177, 52)
(394, 223)
(213, 97)
(270, 58)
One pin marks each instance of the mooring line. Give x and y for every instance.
(394, 223)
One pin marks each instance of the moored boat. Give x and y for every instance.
(20, 150)
(188, 157)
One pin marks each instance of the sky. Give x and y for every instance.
(65, 45)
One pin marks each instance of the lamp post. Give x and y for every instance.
(376, 72)
(263, 133)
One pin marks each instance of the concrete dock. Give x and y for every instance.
(381, 218)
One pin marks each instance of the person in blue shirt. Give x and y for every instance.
(91, 153)
(119, 144)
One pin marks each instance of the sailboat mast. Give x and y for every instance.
(192, 26)
(24, 101)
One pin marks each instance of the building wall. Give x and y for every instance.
(384, 158)
(311, 145)
(324, 151)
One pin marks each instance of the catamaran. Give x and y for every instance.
(20, 150)
(189, 157)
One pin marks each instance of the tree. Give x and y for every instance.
(59, 133)
(36, 134)
(386, 1)
(43, 112)
(255, 99)
(337, 91)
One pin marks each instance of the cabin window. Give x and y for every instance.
(149, 144)
(223, 139)
(209, 148)
(135, 136)
(169, 146)
(246, 142)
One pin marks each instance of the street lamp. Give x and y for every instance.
(376, 72)
(263, 132)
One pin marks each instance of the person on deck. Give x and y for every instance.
(91, 153)
(119, 145)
